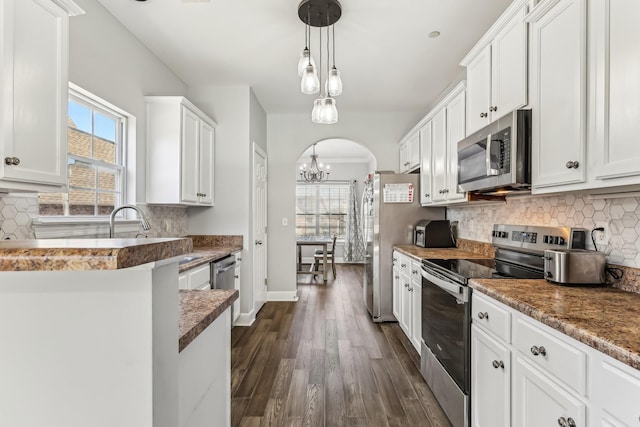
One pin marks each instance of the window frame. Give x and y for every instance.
(125, 152)
(317, 214)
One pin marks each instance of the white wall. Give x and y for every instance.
(107, 60)
(288, 136)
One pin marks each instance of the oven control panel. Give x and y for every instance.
(537, 238)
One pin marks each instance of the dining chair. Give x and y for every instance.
(318, 256)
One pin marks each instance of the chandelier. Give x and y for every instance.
(320, 14)
(314, 173)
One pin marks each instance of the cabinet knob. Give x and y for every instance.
(493, 108)
(427, 195)
(535, 350)
(498, 364)
(410, 289)
(407, 163)
(572, 164)
(484, 315)
(403, 265)
(259, 242)
(483, 115)
(397, 277)
(11, 161)
(204, 194)
(406, 285)
(566, 422)
(236, 276)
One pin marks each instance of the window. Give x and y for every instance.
(321, 209)
(95, 160)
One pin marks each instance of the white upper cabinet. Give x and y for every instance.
(455, 133)
(439, 155)
(497, 69)
(410, 153)
(615, 106)
(425, 164)
(180, 152)
(558, 92)
(34, 56)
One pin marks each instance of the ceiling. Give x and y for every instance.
(383, 49)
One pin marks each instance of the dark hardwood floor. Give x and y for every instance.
(321, 361)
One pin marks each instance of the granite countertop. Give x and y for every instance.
(604, 318)
(207, 254)
(199, 309)
(87, 254)
(437, 253)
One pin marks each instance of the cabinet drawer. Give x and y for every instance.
(183, 281)
(556, 357)
(404, 264)
(620, 394)
(416, 271)
(199, 277)
(491, 317)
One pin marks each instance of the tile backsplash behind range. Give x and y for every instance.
(621, 217)
(18, 211)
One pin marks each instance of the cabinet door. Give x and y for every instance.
(397, 294)
(405, 305)
(190, 156)
(617, 91)
(34, 64)
(414, 150)
(206, 150)
(539, 401)
(490, 381)
(509, 67)
(455, 133)
(439, 153)
(558, 94)
(236, 286)
(425, 164)
(479, 91)
(404, 157)
(416, 314)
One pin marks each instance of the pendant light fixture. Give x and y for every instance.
(321, 14)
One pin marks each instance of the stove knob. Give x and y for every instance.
(561, 241)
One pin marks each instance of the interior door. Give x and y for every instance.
(259, 227)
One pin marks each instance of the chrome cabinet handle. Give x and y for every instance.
(403, 265)
(406, 163)
(484, 315)
(236, 276)
(493, 108)
(406, 285)
(414, 271)
(566, 422)
(535, 350)
(483, 115)
(259, 242)
(427, 195)
(11, 161)
(410, 289)
(397, 277)
(498, 364)
(572, 164)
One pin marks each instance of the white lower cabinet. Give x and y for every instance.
(540, 401)
(542, 377)
(197, 278)
(491, 381)
(407, 297)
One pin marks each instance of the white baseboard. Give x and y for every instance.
(282, 296)
(246, 319)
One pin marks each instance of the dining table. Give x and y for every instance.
(322, 241)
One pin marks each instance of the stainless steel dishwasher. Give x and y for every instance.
(222, 272)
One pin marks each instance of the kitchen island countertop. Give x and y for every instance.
(603, 318)
(87, 254)
(198, 309)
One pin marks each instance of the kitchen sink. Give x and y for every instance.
(188, 258)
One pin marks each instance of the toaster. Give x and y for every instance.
(574, 266)
(433, 234)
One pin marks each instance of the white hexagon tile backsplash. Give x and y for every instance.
(621, 216)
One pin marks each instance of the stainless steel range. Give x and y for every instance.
(446, 305)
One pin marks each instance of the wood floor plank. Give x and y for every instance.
(321, 361)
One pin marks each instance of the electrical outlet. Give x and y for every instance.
(602, 237)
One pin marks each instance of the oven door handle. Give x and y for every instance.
(458, 291)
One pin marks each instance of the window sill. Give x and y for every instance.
(81, 227)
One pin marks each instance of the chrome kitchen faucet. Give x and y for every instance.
(146, 226)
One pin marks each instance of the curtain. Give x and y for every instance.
(353, 243)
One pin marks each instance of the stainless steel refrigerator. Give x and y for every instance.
(388, 219)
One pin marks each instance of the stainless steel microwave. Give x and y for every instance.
(497, 158)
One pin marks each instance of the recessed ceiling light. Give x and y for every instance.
(434, 34)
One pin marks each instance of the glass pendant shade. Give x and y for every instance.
(334, 82)
(305, 59)
(315, 113)
(329, 113)
(310, 83)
